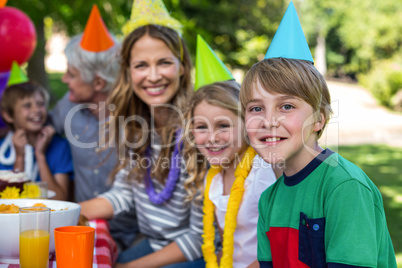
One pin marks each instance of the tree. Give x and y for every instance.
(347, 36)
(357, 33)
(239, 30)
(67, 15)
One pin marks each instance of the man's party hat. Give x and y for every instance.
(2, 3)
(96, 37)
(208, 67)
(289, 40)
(145, 12)
(17, 76)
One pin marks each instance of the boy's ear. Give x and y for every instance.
(99, 83)
(320, 123)
(7, 117)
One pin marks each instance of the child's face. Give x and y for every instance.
(30, 113)
(80, 91)
(218, 134)
(282, 129)
(155, 71)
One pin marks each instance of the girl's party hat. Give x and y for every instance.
(96, 37)
(289, 40)
(17, 76)
(208, 67)
(145, 12)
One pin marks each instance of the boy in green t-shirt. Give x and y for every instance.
(323, 211)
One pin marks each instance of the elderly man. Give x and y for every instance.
(93, 65)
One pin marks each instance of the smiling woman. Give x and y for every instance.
(153, 87)
(154, 69)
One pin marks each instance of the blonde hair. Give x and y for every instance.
(297, 78)
(127, 104)
(221, 94)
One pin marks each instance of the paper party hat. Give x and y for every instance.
(17, 76)
(208, 67)
(289, 40)
(2, 3)
(146, 12)
(96, 37)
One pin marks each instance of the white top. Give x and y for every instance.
(260, 178)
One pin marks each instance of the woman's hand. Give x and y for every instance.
(97, 208)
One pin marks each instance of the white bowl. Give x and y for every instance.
(10, 225)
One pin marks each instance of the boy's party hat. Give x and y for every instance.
(289, 40)
(145, 12)
(96, 37)
(17, 76)
(208, 67)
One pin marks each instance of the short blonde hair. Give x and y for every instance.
(292, 77)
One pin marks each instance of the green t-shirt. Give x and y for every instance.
(328, 213)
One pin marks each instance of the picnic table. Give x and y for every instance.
(105, 249)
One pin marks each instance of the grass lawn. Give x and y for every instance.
(383, 164)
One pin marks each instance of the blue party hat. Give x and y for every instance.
(289, 40)
(208, 67)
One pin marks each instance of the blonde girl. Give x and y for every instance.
(234, 182)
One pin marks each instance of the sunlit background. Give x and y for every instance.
(356, 44)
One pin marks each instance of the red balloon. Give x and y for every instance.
(17, 37)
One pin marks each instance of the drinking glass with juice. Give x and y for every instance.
(34, 237)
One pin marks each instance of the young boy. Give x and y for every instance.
(31, 146)
(324, 211)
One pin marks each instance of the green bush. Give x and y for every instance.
(384, 79)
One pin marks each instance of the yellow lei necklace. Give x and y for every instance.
(236, 195)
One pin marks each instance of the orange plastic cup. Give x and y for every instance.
(74, 246)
